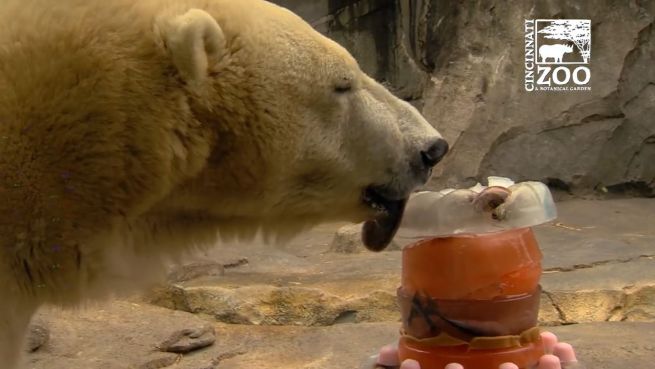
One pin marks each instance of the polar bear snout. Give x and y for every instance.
(435, 151)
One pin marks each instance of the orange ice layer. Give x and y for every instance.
(473, 267)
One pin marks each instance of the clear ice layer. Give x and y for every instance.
(449, 212)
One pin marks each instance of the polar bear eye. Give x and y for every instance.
(342, 89)
(343, 86)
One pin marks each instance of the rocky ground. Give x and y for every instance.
(323, 302)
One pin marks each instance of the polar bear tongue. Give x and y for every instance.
(378, 232)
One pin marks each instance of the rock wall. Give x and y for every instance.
(461, 62)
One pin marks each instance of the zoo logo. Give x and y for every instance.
(560, 66)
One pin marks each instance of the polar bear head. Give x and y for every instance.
(302, 134)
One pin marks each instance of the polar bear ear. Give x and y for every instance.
(195, 42)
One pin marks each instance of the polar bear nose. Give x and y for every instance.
(435, 152)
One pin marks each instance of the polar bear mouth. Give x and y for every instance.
(378, 232)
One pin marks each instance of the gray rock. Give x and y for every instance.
(38, 335)
(121, 335)
(188, 340)
(462, 62)
(162, 360)
(582, 140)
(195, 270)
(348, 240)
(118, 335)
(265, 305)
(611, 345)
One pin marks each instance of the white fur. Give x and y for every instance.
(136, 131)
(196, 42)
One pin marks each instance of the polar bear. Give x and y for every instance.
(132, 131)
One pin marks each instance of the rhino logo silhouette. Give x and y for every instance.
(555, 51)
(574, 36)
